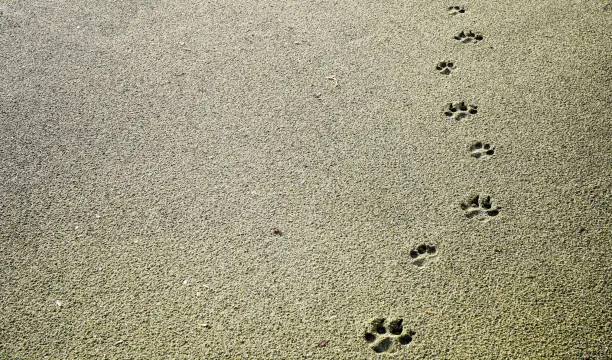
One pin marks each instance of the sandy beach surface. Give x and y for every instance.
(305, 179)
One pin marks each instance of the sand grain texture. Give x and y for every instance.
(148, 149)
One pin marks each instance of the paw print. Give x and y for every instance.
(422, 254)
(445, 67)
(481, 150)
(479, 207)
(460, 110)
(469, 37)
(386, 336)
(454, 10)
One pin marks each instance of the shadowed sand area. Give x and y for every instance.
(307, 179)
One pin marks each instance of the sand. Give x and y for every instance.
(251, 180)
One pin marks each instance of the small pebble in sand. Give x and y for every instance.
(322, 343)
(58, 303)
(334, 79)
(198, 294)
(185, 282)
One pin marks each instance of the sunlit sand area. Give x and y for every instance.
(305, 179)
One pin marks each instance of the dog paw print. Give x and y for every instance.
(480, 150)
(467, 37)
(460, 110)
(480, 207)
(387, 336)
(454, 10)
(445, 67)
(422, 254)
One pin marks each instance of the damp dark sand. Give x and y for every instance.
(149, 150)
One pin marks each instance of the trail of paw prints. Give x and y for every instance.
(479, 207)
(455, 10)
(460, 110)
(481, 150)
(422, 254)
(470, 36)
(445, 67)
(387, 336)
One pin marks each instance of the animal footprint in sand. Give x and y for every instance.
(469, 37)
(460, 110)
(479, 207)
(454, 10)
(445, 67)
(387, 336)
(422, 254)
(480, 150)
